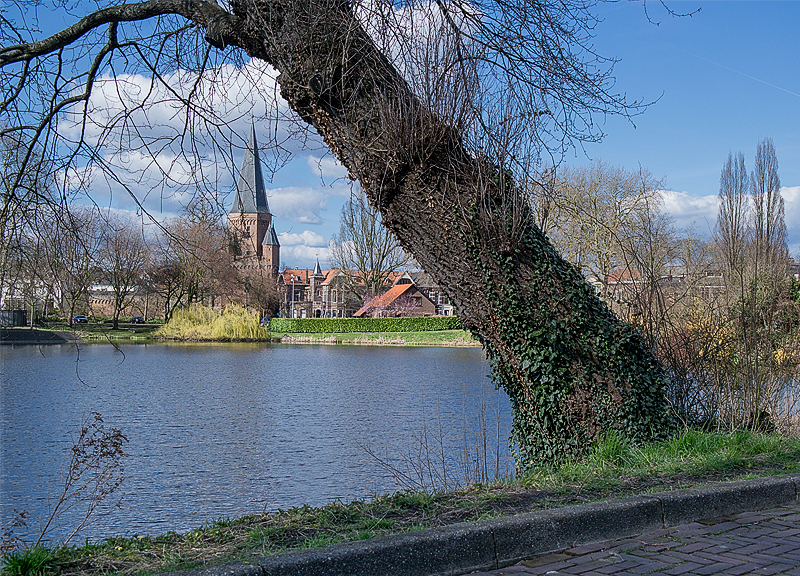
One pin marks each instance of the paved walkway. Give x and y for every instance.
(765, 542)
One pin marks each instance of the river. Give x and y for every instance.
(224, 430)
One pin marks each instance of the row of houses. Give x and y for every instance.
(335, 294)
(707, 282)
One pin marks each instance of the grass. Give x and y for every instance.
(428, 338)
(613, 469)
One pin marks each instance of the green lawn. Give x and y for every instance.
(428, 338)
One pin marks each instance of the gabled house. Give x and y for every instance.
(402, 299)
(316, 294)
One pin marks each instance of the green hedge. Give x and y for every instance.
(347, 325)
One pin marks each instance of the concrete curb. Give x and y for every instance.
(492, 544)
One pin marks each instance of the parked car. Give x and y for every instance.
(265, 322)
(137, 320)
(80, 319)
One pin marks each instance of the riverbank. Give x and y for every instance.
(613, 470)
(144, 333)
(63, 334)
(453, 338)
(36, 337)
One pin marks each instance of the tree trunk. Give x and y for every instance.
(573, 371)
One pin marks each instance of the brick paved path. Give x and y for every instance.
(765, 542)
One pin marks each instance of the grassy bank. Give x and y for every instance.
(428, 338)
(614, 469)
(202, 324)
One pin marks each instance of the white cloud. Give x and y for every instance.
(301, 256)
(169, 149)
(301, 204)
(228, 94)
(700, 211)
(791, 208)
(304, 238)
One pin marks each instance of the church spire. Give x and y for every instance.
(271, 239)
(317, 270)
(251, 196)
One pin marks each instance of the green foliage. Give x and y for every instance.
(613, 463)
(348, 325)
(203, 323)
(34, 561)
(573, 371)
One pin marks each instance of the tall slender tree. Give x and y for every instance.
(769, 226)
(731, 231)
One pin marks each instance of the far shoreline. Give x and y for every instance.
(22, 336)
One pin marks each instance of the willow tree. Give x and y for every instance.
(442, 110)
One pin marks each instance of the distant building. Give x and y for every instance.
(317, 294)
(402, 299)
(250, 218)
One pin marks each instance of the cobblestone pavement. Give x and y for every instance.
(765, 542)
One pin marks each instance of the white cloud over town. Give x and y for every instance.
(687, 211)
(304, 238)
(301, 204)
(701, 213)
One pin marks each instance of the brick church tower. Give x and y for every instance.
(249, 216)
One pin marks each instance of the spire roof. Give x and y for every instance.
(251, 196)
(317, 270)
(271, 238)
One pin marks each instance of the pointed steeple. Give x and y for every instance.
(317, 271)
(271, 238)
(251, 196)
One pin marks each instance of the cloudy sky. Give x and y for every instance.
(720, 80)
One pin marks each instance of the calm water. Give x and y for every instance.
(225, 430)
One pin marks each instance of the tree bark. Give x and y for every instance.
(573, 371)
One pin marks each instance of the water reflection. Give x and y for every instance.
(226, 430)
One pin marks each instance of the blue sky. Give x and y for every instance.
(721, 80)
(725, 78)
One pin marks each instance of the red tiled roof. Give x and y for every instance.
(300, 276)
(386, 298)
(623, 274)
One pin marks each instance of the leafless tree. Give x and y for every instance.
(124, 256)
(75, 244)
(750, 366)
(731, 233)
(593, 209)
(441, 110)
(769, 227)
(364, 250)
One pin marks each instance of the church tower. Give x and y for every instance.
(249, 216)
(271, 250)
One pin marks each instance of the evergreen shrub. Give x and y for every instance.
(349, 325)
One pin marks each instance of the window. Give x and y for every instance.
(333, 297)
